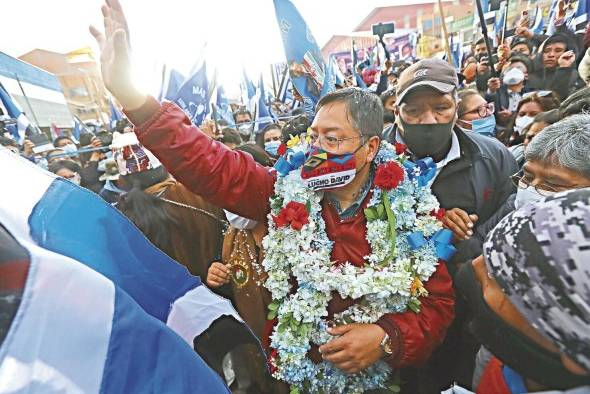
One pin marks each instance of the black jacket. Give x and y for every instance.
(478, 182)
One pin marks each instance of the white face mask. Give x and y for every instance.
(522, 122)
(70, 148)
(528, 196)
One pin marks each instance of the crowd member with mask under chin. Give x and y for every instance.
(476, 114)
(472, 183)
(529, 298)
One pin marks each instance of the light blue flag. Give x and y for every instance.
(552, 11)
(539, 23)
(456, 52)
(193, 96)
(18, 131)
(306, 65)
(339, 77)
(262, 117)
(499, 25)
(223, 107)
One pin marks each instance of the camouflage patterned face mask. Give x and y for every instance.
(540, 256)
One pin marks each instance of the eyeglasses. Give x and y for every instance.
(329, 143)
(522, 181)
(483, 110)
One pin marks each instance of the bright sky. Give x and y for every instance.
(238, 32)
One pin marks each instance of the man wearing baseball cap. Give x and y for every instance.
(472, 182)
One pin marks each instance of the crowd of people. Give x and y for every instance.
(509, 143)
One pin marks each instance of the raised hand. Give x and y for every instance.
(115, 52)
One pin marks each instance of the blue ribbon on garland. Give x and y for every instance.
(289, 162)
(426, 170)
(442, 242)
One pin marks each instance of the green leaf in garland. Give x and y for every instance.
(294, 390)
(381, 213)
(308, 207)
(391, 220)
(371, 214)
(415, 305)
(273, 306)
(271, 314)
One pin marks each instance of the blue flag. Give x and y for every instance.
(116, 115)
(339, 77)
(19, 130)
(306, 65)
(577, 20)
(456, 52)
(262, 117)
(193, 96)
(223, 107)
(539, 23)
(171, 85)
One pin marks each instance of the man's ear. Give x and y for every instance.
(373, 144)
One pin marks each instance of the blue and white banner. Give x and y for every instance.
(193, 96)
(577, 20)
(18, 131)
(306, 65)
(355, 61)
(103, 310)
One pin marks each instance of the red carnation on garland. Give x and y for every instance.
(400, 148)
(439, 214)
(388, 176)
(294, 214)
(282, 149)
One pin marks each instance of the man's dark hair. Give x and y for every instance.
(364, 109)
(521, 59)
(61, 138)
(576, 103)
(242, 111)
(389, 93)
(295, 127)
(297, 112)
(230, 136)
(259, 155)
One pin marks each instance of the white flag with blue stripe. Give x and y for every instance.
(103, 309)
(19, 131)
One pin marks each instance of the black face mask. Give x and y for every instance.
(510, 346)
(425, 140)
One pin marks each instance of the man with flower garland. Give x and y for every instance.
(347, 128)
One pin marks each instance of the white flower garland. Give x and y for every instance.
(389, 282)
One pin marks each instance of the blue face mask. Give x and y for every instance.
(485, 126)
(272, 147)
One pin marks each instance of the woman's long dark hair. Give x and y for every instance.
(146, 211)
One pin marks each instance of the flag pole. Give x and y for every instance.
(445, 33)
(484, 32)
(505, 22)
(28, 102)
(274, 80)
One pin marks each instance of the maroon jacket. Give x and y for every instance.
(235, 182)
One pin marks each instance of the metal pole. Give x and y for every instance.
(446, 35)
(484, 32)
(28, 102)
(505, 22)
(274, 80)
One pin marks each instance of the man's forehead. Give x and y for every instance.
(332, 116)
